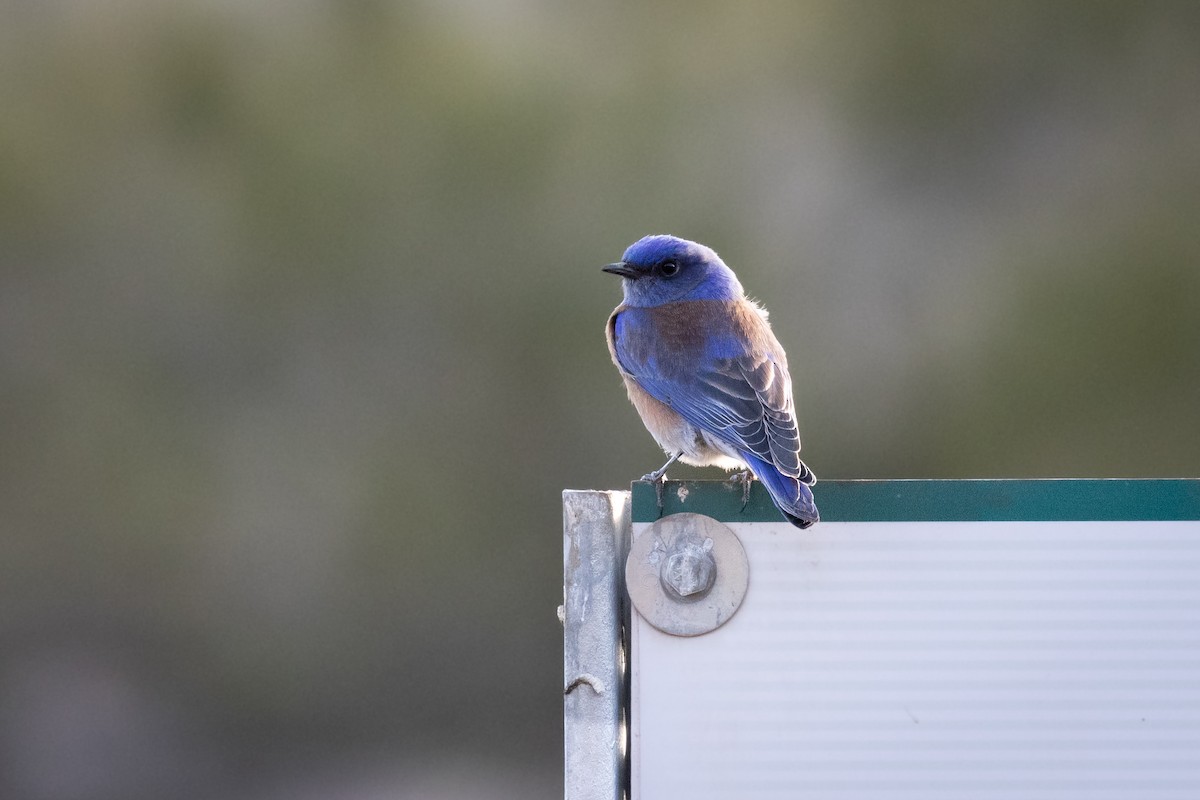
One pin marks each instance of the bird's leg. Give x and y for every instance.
(658, 474)
(745, 478)
(659, 478)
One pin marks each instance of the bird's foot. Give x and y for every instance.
(659, 478)
(660, 473)
(745, 478)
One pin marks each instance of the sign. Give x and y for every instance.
(933, 639)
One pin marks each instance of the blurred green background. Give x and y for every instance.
(301, 333)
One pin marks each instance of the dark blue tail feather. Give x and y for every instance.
(793, 499)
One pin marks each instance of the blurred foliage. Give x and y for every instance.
(300, 333)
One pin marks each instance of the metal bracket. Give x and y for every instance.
(594, 617)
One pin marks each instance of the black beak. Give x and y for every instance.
(624, 269)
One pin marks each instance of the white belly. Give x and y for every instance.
(674, 434)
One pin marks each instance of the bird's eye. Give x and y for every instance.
(668, 268)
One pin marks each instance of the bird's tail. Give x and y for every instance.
(792, 497)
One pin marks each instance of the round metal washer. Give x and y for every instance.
(697, 614)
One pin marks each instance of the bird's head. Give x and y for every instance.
(665, 269)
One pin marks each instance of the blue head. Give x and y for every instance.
(664, 269)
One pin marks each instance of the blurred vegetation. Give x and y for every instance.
(300, 333)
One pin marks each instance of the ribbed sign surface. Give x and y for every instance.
(1049, 650)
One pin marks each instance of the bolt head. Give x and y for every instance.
(690, 573)
(701, 588)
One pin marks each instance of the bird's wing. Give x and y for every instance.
(748, 401)
(745, 400)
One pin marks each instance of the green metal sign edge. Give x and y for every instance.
(1058, 499)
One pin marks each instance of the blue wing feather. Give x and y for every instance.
(739, 394)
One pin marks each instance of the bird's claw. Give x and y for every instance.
(745, 478)
(659, 479)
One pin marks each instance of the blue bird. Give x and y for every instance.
(704, 371)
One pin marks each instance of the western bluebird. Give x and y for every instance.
(704, 371)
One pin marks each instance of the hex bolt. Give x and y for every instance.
(689, 571)
(687, 574)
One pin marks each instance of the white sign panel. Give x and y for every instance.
(986, 660)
